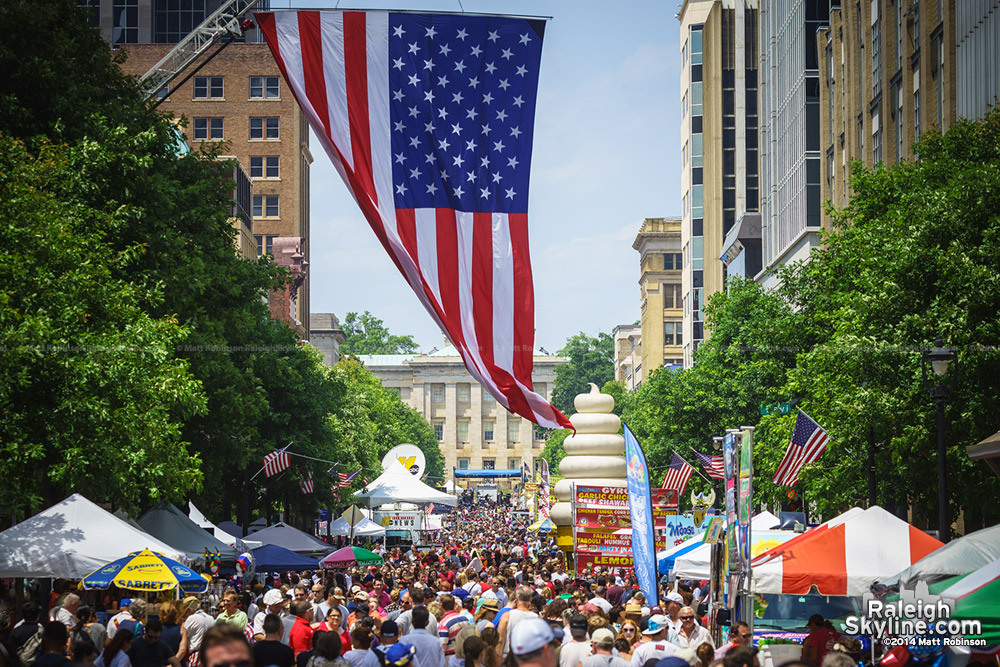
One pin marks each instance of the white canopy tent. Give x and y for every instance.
(696, 564)
(397, 485)
(195, 515)
(70, 540)
(363, 528)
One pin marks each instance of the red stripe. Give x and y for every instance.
(356, 68)
(524, 302)
(406, 227)
(447, 257)
(311, 42)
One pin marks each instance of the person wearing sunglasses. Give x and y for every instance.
(630, 633)
(739, 635)
(690, 634)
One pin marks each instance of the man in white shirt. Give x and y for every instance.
(196, 622)
(600, 601)
(578, 649)
(274, 603)
(657, 647)
(66, 614)
(560, 574)
(417, 596)
(691, 635)
(428, 651)
(122, 615)
(473, 586)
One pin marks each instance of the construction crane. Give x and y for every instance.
(228, 19)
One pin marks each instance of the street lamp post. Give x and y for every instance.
(938, 358)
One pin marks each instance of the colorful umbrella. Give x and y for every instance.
(542, 526)
(350, 556)
(146, 571)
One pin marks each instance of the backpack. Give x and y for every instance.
(30, 649)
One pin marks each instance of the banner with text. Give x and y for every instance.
(617, 564)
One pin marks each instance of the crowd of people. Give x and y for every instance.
(489, 594)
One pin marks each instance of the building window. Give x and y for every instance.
(513, 464)
(173, 20)
(899, 34)
(489, 464)
(463, 430)
(940, 76)
(671, 295)
(264, 128)
(696, 98)
(265, 244)
(696, 35)
(264, 166)
(125, 22)
(513, 429)
(876, 55)
(263, 87)
(488, 399)
(207, 128)
(265, 206)
(462, 392)
(437, 392)
(672, 261)
(899, 123)
(463, 464)
(94, 7)
(439, 430)
(915, 8)
(488, 426)
(877, 145)
(916, 109)
(672, 333)
(540, 389)
(208, 87)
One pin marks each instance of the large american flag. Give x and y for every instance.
(678, 474)
(714, 465)
(807, 445)
(276, 461)
(428, 119)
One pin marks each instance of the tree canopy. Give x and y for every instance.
(367, 334)
(591, 359)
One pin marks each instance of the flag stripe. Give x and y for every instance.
(336, 79)
(503, 293)
(355, 64)
(312, 68)
(524, 297)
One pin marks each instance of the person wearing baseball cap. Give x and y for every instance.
(274, 603)
(674, 604)
(397, 655)
(658, 646)
(579, 648)
(603, 643)
(532, 643)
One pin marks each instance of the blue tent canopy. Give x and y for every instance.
(665, 564)
(272, 558)
(510, 472)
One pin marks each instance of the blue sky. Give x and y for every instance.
(606, 155)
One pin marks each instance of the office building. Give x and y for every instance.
(628, 354)
(719, 168)
(888, 75)
(790, 154)
(660, 315)
(474, 430)
(977, 56)
(239, 98)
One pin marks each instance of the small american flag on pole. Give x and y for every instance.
(276, 461)
(428, 118)
(714, 465)
(344, 479)
(807, 445)
(678, 474)
(306, 483)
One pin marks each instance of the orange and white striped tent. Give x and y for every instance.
(844, 556)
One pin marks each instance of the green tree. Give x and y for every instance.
(92, 397)
(591, 359)
(367, 334)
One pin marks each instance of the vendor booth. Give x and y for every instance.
(172, 526)
(272, 558)
(363, 528)
(842, 557)
(70, 540)
(397, 485)
(293, 539)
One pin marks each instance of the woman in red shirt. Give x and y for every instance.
(820, 641)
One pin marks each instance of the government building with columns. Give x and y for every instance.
(474, 430)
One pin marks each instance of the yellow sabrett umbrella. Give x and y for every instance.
(146, 571)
